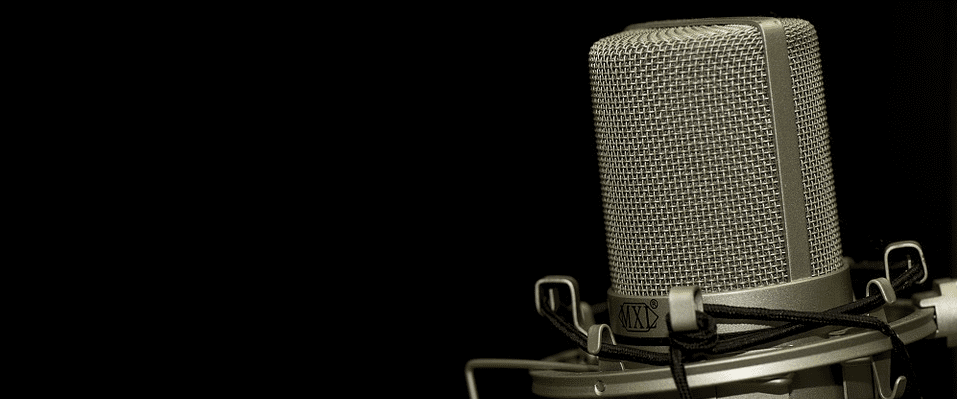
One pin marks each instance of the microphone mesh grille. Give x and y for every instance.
(688, 162)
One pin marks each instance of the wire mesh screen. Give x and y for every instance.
(688, 162)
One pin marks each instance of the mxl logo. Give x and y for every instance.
(638, 317)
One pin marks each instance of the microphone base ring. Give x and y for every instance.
(755, 367)
(644, 317)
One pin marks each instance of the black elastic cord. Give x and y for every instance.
(700, 341)
(685, 343)
(735, 342)
(742, 341)
(685, 346)
(678, 373)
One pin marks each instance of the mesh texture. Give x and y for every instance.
(688, 163)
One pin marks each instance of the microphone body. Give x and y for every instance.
(715, 168)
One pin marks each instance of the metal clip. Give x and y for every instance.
(864, 378)
(904, 244)
(572, 286)
(683, 302)
(897, 390)
(598, 334)
(885, 287)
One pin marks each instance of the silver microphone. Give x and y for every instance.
(715, 167)
(718, 198)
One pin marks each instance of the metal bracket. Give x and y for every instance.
(944, 301)
(572, 285)
(473, 364)
(904, 244)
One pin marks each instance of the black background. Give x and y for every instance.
(498, 167)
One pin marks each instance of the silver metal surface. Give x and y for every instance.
(644, 316)
(944, 302)
(473, 364)
(684, 302)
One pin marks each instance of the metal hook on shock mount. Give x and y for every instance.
(904, 244)
(597, 335)
(885, 287)
(896, 389)
(887, 291)
(578, 316)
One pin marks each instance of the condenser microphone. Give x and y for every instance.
(715, 164)
(727, 278)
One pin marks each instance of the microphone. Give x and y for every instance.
(727, 277)
(715, 167)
